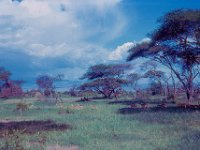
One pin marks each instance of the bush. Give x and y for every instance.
(21, 107)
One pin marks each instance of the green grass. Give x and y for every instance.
(103, 128)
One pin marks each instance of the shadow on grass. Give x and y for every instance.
(32, 127)
(130, 102)
(174, 109)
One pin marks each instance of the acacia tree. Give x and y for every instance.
(176, 45)
(105, 79)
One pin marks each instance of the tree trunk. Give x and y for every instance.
(174, 87)
(188, 96)
(106, 95)
(189, 93)
(168, 91)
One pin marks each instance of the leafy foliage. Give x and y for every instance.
(102, 71)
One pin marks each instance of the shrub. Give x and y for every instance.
(21, 107)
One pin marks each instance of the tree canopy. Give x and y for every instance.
(176, 45)
(102, 71)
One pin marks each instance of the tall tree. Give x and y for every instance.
(176, 45)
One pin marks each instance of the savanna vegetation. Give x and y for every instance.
(155, 108)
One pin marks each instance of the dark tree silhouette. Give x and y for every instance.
(176, 45)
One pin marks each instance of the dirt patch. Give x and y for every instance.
(32, 127)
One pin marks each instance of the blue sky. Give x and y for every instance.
(66, 36)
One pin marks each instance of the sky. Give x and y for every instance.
(67, 36)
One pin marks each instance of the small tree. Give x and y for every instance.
(176, 45)
(46, 85)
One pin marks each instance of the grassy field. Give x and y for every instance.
(101, 125)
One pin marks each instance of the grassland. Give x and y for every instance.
(99, 125)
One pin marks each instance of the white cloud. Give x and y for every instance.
(35, 8)
(60, 34)
(120, 51)
(43, 27)
(145, 40)
(41, 50)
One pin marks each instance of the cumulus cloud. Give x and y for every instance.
(120, 51)
(40, 27)
(51, 30)
(145, 40)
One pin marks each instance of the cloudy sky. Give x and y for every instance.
(66, 36)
